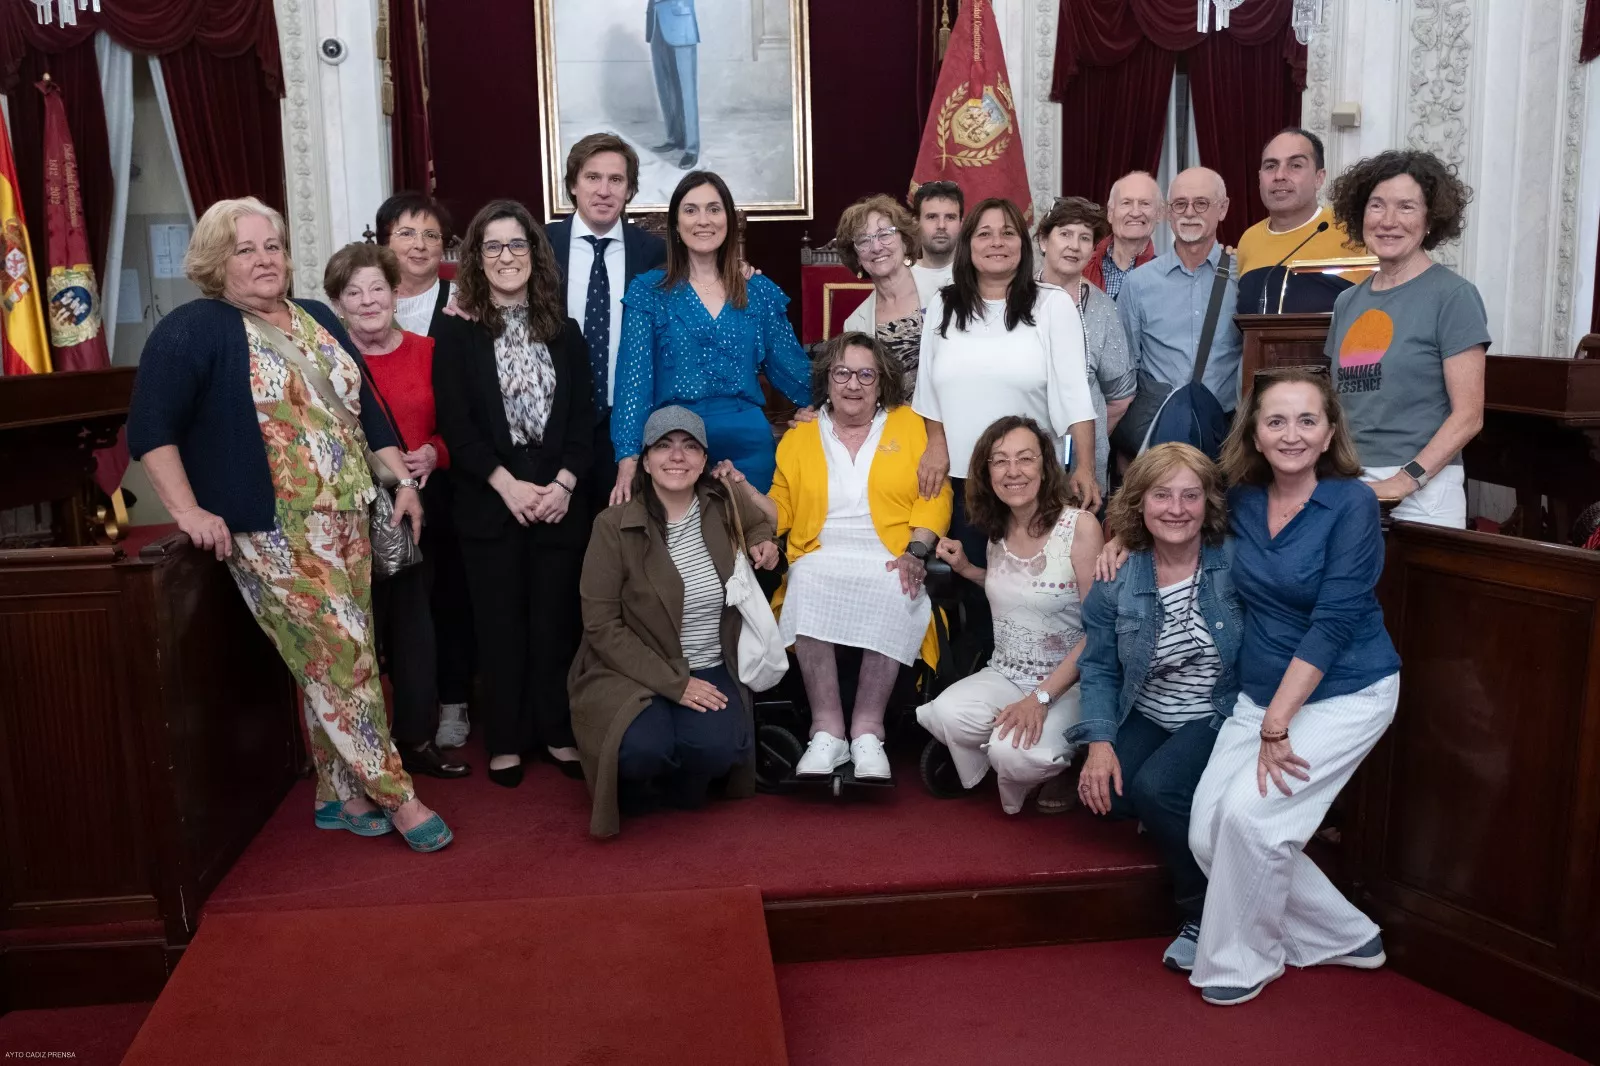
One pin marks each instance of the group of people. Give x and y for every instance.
(574, 430)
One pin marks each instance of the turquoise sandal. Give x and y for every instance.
(333, 816)
(429, 836)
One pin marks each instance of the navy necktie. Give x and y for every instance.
(597, 320)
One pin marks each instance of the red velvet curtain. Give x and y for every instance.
(1113, 119)
(78, 74)
(1113, 72)
(1243, 94)
(1591, 31)
(412, 142)
(228, 124)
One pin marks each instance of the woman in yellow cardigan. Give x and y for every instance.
(845, 491)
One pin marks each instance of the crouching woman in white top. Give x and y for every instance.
(1014, 713)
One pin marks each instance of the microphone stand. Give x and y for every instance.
(1267, 282)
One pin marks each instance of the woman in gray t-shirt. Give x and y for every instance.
(1407, 345)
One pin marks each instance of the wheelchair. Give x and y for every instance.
(782, 714)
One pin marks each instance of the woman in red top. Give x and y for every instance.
(360, 280)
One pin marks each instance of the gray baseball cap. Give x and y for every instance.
(667, 419)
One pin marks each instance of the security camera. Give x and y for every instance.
(333, 51)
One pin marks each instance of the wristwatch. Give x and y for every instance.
(919, 551)
(409, 483)
(1042, 696)
(1415, 471)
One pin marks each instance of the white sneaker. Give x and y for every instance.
(453, 725)
(825, 754)
(866, 751)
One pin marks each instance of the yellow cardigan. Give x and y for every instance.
(800, 489)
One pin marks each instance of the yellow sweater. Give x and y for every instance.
(800, 489)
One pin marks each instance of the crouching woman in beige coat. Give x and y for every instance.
(657, 707)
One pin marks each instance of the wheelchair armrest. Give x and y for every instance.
(939, 580)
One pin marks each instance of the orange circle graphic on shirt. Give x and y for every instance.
(1367, 339)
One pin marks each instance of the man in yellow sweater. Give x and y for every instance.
(1297, 227)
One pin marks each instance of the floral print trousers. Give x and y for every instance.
(309, 584)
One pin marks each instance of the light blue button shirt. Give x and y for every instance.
(1163, 309)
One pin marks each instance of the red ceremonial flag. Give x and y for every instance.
(972, 136)
(72, 299)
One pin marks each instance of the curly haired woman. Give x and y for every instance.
(1407, 345)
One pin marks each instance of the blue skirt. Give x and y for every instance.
(739, 431)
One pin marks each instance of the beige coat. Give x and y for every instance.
(632, 601)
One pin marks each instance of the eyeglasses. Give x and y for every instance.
(1184, 207)
(1273, 374)
(1075, 201)
(428, 236)
(867, 240)
(841, 375)
(518, 247)
(1025, 461)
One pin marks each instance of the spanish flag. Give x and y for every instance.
(972, 137)
(21, 316)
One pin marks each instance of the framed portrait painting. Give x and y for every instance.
(721, 85)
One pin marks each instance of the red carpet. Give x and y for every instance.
(663, 978)
(83, 1036)
(1112, 1003)
(534, 841)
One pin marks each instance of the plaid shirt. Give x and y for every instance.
(1102, 270)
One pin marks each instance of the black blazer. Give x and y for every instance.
(641, 252)
(472, 420)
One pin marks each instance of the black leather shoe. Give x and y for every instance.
(569, 767)
(689, 160)
(510, 777)
(670, 146)
(429, 760)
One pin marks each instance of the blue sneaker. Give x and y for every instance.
(333, 816)
(1368, 956)
(429, 836)
(1180, 953)
(1226, 996)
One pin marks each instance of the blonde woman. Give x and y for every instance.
(253, 461)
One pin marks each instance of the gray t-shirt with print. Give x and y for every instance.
(1387, 351)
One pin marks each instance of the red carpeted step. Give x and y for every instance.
(1114, 1003)
(83, 1036)
(665, 977)
(534, 840)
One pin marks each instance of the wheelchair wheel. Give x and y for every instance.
(939, 774)
(777, 753)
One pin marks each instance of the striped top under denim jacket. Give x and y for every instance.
(1122, 619)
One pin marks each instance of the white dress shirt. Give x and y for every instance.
(580, 260)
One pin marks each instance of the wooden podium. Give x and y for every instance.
(147, 726)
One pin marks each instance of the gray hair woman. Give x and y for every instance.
(252, 415)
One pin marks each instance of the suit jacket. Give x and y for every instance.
(675, 19)
(641, 252)
(472, 420)
(632, 650)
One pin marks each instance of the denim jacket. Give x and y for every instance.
(1122, 620)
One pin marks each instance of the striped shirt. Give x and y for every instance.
(703, 595)
(1185, 667)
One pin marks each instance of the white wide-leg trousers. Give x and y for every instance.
(1267, 904)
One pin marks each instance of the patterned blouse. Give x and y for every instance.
(527, 378)
(317, 462)
(902, 339)
(673, 351)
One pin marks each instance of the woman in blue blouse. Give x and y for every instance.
(697, 334)
(1319, 682)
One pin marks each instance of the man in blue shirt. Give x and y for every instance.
(1163, 303)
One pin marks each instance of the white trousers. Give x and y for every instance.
(1441, 502)
(962, 718)
(1266, 903)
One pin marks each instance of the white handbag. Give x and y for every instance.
(762, 658)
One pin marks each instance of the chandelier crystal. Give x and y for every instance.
(1222, 8)
(1306, 19)
(66, 10)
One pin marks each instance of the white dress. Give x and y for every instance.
(841, 593)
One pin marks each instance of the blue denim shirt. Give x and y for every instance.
(1122, 620)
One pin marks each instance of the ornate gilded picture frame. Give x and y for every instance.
(721, 85)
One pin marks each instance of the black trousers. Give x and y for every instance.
(602, 478)
(975, 641)
(452, 605)
(403, 622)
(525, 603)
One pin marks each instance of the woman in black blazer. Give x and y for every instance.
(511, 384)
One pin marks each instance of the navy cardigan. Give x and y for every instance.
(193, 390)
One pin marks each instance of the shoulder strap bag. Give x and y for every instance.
(763, 660)
(393, 547)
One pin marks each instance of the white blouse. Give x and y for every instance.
(975, 376)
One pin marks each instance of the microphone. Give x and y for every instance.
(1267, 281)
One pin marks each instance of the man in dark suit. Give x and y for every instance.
(674, 36)
(599, 254)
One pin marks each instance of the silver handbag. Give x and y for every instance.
(393, 547)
